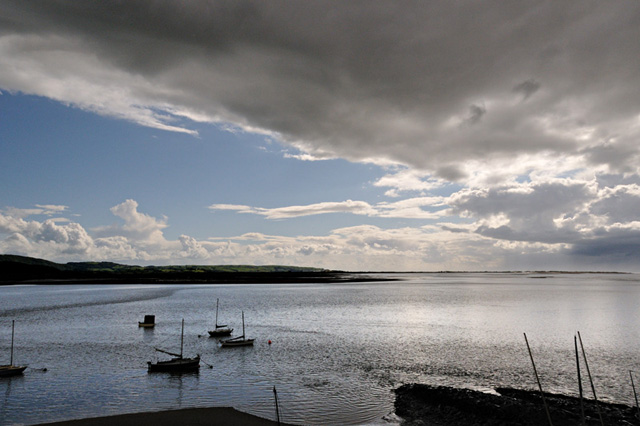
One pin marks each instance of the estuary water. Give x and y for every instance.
(337, 350)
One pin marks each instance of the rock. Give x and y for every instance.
(445, 406)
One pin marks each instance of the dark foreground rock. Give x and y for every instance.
(443, 406)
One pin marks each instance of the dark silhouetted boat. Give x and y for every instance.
(221, 329)
(149, 321)
(178, 364)
(237, 341)
(10, 369)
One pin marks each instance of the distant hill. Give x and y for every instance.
(21, 269)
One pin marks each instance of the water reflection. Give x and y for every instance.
(148, 335)
(6, 381)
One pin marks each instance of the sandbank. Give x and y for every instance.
(215, 416)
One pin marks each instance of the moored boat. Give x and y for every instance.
(237, 341)
(221, 329)
(10, 369)
(148, 322)
(177, 364)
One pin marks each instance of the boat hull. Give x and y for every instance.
(11, 370)
(175, 365)
(220, 332)
(233, 343)
(148, 321)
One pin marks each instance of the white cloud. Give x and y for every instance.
(64, 69)
(139, 238)
(138, 227)
(24, 235)
(411, 208)
(46, 210)
(348, 206)
(237, 207)
(308, 157)
(192, 249)
(50, 209)
(408, 180)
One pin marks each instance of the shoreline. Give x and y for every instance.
(213, 416)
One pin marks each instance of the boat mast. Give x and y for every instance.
(182, 338)
(217, 301)
(243, 324)
(13, 326)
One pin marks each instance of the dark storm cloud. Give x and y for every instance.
(592, 221)
(615, 156)
(544, 201)
(361, 80)
(619, 205)
(527, 88)
(613, 248)
(475, 114)
(529, 212)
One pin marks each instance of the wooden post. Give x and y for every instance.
(544, 401)
(275, 394)
(635, 395)
(593, 388)
(575, 343)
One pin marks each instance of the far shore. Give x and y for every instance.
(214, 416)
(230, 278)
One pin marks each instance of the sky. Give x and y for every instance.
(355, 135)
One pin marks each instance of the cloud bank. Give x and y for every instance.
(589, 228)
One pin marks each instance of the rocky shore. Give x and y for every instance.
(429, 405)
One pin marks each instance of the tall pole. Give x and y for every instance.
(13, 326)
(275, 394)
(575, 343)
(635, 395)
(544, 401)
(593, 388)
(182, 338)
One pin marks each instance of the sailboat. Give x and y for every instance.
(178, 364)
(221, 329)
(237, 341)
(10, 369)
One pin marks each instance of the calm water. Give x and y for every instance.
(338, 351)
